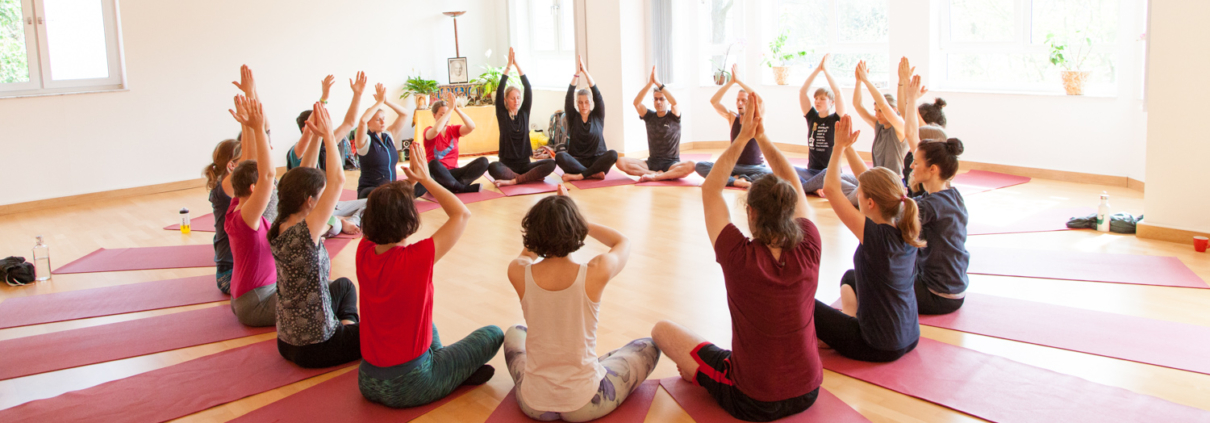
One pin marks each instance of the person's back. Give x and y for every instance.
(561, 370)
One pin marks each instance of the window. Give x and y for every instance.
(1001, 44)
(545, 30)
(721, 23)
(851, 30)
(58, 46)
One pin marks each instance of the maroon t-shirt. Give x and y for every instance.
(775, 355)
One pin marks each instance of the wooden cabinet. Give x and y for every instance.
(485, 138)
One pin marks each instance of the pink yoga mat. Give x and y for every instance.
(550, 184)
(693, 180)
(1168, 344)
(86, 303)
(205, 222)
(612, 179)
(98, 344)
(703, 408)
(1078, 266)
(339, 400)
(1043, 221)
(977, 181)
(466, 197)
(634, 409)
(171, 392)
(147, 258)
(1002, 390)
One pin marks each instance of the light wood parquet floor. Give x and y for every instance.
(671, 275)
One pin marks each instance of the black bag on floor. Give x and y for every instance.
(16, 271)
(1122, 223)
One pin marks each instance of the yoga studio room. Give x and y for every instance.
(660, 211)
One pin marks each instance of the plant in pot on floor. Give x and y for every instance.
(420, 88)
(779, 59)
(1071, 60)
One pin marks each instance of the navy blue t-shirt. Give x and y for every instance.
(884, 264)
(942, 265)
(378, 164)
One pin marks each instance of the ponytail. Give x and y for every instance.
(298, 185)
(909, 223)
(224, 153)
(886, 189)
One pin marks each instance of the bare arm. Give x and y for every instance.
(606, 266)
(716, 101)
(890, 115)
(359, 87)
(516, 270)
(777, 161)
(858, 105)
(584, 71)
(718, 216)
(468, 125)
(638, 100)
(911, 128)
(839, 104)
(855, 161)
(310, 156)
(261, 192)
(667, 94)
(361, 139)
(439, 126)
(805, 102)
(317, 220)
(449, 233)
(905, 74)
(401, 120)
(851, 216)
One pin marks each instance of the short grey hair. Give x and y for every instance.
(586, 93)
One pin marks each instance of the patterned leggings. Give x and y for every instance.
(432, 376)
(625, 369)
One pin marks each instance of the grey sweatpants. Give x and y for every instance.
(257, 307)
(351, 211)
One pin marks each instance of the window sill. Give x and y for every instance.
(64, 91)
(1021, 93)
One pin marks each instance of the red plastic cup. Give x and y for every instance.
(1199, 243)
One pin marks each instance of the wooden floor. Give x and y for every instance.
(671, 275)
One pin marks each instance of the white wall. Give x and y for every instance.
(180, 59)
(1177, 151)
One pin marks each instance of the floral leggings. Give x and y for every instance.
(625, 369)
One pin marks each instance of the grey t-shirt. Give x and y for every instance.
(663, 135)
(942, 265)
(888, 150)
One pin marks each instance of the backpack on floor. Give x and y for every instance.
(16, 271)
(557, 132)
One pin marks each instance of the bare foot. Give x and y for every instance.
(505, 183)
(349, 228)
(598, 175)
(647, 178)
(820, 193)
(568, 177)
(742, 183)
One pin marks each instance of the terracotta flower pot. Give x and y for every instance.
(422, 101)
(780, 74)
(1073, 82)
(721, 77)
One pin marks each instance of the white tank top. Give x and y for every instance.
(562, 372)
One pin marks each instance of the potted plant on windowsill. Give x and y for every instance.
(1071, 61)
(778, 58)
(721, 76)
(422, 89)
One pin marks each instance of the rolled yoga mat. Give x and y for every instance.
(107, 301)
(1002, 390)
(148, 258)
(1080, 266)
(1167, 344)
(704, 409)
(339, 399)
(115, 341)
(173, 391)
(1043, 221)
(633, 409)
(550, 184)
(977, 181)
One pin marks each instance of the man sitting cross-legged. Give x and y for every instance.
(663, 138)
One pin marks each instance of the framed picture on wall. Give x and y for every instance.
(459, 74)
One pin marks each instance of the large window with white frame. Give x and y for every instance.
(1003, 45)
(721, 31)
(59, 46)
(851, 30)
(545, 37)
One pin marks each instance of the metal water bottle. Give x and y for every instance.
(41, 260)
(1103, 213)
(185, 221)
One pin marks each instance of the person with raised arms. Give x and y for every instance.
(890, 144)
(663, 137)
(441, 145)
(773, 369)
(295, 154)
(377, 144)
(587, 156)
(817, 109)
(512, 116)
(751, 165)
(931, 121)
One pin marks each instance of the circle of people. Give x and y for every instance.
(911, 259)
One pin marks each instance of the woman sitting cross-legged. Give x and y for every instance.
(553, 361)
(404, 363)
(254, 275)
(441, 145)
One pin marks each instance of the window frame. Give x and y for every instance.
(834, 46)
(736, 44)
(41, 73)
(538, 63)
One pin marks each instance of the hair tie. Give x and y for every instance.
(903, 199)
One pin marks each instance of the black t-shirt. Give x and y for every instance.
(751, 155)
(942, 264)
(514, 132)
(663, 135)
(220, 202)
(884, 264)
(820, 139)
(585, 139)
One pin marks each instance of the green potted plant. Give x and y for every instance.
(721, 76)
(778, 58)
(421, 89)
(489, 80)
(1070, 60)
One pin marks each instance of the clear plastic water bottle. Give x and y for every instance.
(1103, 213)
(185, 221)
(41, 260)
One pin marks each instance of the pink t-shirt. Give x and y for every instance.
(444, 146)
(254, 266)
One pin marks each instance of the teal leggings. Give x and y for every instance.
(433, 375)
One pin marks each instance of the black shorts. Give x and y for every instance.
(660, 165)
(713, 373)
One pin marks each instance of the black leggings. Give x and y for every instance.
(842, 332)
(345, 344)
(929, 303)
(502, 171)
(458, 179)
(587, 166)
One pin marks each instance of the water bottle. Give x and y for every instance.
(1103, 213)
(185, 221)
(41, 260)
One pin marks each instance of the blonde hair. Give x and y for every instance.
(510, 90)
(826, 92)
(886, 189)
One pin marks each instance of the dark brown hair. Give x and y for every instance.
(299, 184)
(773, 201)
(242, 178)
(554, 227)
(886, 189)
(224, 153)
(437, 105)
(932, 113)
(390, 215)
(302, 119)
(943, 154)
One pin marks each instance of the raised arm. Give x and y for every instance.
(890, 115)
(606, 266)
(358, 86)
(777, 161)
(317, 220)
(439, 126)
(569, 102)
(468, 125)
(361, 139)
(638, 100)
(668, 96)
(858, 105)
(261, 192)
(905, 74)
(838, 105)
(598, 102)
(805, 102)
(718, 215)
(584, 71)
(717, 100)
(851, 216)
(401, 120)
(911, 124)
(310, 156)
(449, 232)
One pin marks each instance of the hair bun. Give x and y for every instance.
(954, 146)
(939, 102)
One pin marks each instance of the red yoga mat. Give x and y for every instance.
(538, 187)
(1043, 221)
(1168, 344)
(634, 409)
(86, 303)
(98, 344)
(171, 392)
(1079, 266)
(466, 197)
(1002, 390)
(612, 179)
(693, 180)
(339, 400)
(977, 181)
(148, 258)
(703, 408)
